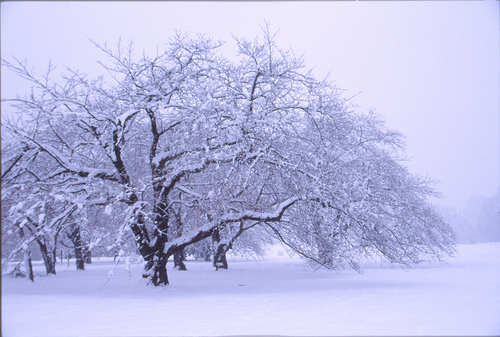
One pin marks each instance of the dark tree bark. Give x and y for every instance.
(160, 258)
(48, 257)
(208, 256)
(87, 255)
(76, 238)
(221, 248)
(179, 256)
(155, 267)
(27, 259)
(220, 260)
(179, 259)
(29, 266)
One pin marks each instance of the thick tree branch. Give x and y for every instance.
(206, 230)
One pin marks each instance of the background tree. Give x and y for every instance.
(35, 207)
(478, 221)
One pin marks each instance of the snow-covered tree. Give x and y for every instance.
(194, 146)
(39, 212)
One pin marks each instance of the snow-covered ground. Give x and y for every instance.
(277, 295)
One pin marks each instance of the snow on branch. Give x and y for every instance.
(165, 156)
(65, 163)
(206, 230)
(60, 219)
(179, 173)
(260, 216)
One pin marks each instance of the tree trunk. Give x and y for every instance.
(179, 260)
(80, 265)
(87, 255)
(179, 255)
(155, 268)
(160, 276)
(220, 260)
(27, 259)
(208, 256)
(220, 250)
(76, 238)
(28, 266)
(48, 258)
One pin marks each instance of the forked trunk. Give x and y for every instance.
(156, 260)
(160, 276)
(156, 269)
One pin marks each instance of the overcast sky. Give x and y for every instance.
(430, 68)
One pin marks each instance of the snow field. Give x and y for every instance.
(277, 295)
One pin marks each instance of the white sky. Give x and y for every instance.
(430, 68)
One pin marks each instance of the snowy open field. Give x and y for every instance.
(273, 296)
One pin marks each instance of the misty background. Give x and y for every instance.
(430, 68)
